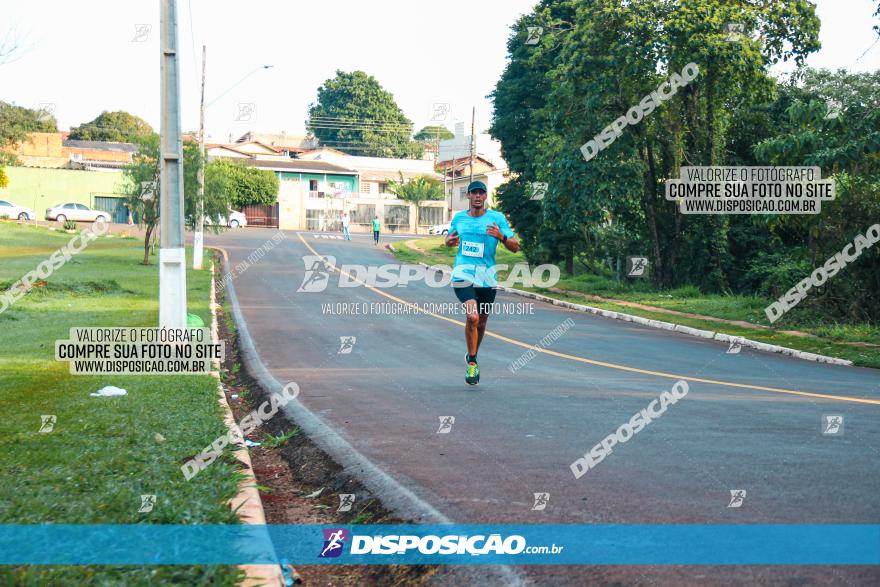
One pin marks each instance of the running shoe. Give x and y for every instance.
(473, 374)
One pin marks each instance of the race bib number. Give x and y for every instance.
(471, 249)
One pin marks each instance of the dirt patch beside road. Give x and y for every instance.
(299, 484)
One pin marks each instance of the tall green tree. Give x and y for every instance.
(16, 122)
(434, 132)
(832, 121)
(594, 61)
(354, 112)
(141, 188)
(120, 127)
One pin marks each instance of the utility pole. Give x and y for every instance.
(172, 254)
(473, 140)
(198, 237)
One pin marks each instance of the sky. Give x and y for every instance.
(85, 57)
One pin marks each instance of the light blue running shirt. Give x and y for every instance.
(475, 261)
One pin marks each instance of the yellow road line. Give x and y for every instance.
(518, 343)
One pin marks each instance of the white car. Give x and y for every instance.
(13, 211)
(439, 229)
(236, 219)
(76, 212)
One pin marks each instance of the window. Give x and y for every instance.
(462, 192)
(364, 214)
(81, 207)
(70, 206)
(313, 185)
(396, 216)
(430, 215)
(383, 188)
(4, 203)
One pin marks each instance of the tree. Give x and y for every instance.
(141, 188)
(417, 190)
(120, 127)
(16, 122)
(246, 185)
(595, 61)
(353, 112)
(433, 132)
(831, 120)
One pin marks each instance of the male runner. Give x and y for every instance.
(476, 232)
(376, 226)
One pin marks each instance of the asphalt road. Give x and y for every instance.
(517, 433)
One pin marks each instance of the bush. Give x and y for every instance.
(69, 225)
(775, 273)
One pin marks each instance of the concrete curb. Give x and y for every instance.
(398, 498)
(709, 334)
(247, 502)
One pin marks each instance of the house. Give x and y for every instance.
(54, 150)
(285, 144)
(311, 194)
(319, 184)
(376, 173)
(457, 176)
(99, 155)
(455, 165)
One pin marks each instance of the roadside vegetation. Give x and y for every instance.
(103, 452)
(596, 60)
(803, 328)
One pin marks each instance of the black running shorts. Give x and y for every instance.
(485, 296)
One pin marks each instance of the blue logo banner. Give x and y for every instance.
(599, 544)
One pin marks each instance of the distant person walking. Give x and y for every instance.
(376, 226)
(345, 223)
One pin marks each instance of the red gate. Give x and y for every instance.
(261, 215)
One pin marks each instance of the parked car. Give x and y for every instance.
(76, 212)
(235, 220)
(13, 211)
(439, 229)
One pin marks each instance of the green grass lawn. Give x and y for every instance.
(689, 300)
(102, 454)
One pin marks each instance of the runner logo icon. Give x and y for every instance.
(636, 266)
(48, 422)
(346, 344)
(346, 500)
(541, 500)
(832, 424)
(446, 423)
(317, 273)
(334, 541)
(737, 497)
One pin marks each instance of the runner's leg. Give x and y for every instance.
(472, 332)
(468, 296)
(485, 299)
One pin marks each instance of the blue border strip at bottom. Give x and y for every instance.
(615, 544)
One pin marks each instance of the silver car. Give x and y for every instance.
(76, 212)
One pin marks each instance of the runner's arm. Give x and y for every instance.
(504, 234)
